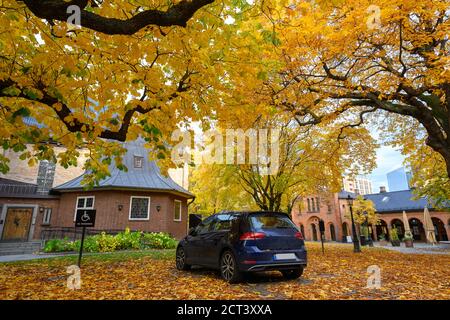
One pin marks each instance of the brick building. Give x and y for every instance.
(141, 199)
(333, 209)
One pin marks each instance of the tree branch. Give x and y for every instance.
(177, 15)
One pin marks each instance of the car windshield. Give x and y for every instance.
(270, 221)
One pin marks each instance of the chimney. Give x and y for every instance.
(382, 189)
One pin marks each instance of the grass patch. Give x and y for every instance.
(157, 254)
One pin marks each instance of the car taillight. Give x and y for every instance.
(299, 235)
(252, 236)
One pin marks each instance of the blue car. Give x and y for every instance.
(236, 243)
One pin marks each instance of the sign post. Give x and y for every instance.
(322, 233)
(85, 218)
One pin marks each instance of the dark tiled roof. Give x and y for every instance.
(344, 194)
(17, 189)
(148, 177)
(397, 201)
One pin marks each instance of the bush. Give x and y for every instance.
(408, 236)
(158, 240)
(60, 245)
(129, 240)
(106, 243)
(90, 244)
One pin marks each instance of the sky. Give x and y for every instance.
(388, 159)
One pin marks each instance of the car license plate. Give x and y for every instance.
(285, 256)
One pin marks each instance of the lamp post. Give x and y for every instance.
(356, 246)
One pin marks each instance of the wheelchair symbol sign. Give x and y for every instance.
(85, 218)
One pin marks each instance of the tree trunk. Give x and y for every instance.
(442, 147)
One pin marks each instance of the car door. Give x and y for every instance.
(195, 244)
(215, 239)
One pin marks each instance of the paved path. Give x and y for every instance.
(33, 256)
(23, 257)
(420, 248)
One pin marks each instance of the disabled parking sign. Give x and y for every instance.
(85, 218)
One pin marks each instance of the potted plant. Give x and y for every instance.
(382, 240)
(395, 241)
(408, 239)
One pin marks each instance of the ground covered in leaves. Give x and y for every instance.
(338, 274)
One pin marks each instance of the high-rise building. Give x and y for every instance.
(358, 185)
(399, 179)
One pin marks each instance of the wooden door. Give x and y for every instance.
(17, 224)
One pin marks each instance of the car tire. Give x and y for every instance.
(180, 259)
(229, 268)
(292, 273)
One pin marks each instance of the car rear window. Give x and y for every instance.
(270, 221)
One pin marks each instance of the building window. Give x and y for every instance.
(329, 209)
(47, 216)
(138, 161)
(177, 211)
(317, 205)
(139, 208)
(84, 203)
(313, 205)
(309, 206)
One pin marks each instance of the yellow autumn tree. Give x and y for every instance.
(363, 211)
(128, 69)
(216, 189)
(345, 60)
(308, 159)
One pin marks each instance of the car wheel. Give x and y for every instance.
(181, 259)
(229, 269)
(293, 273)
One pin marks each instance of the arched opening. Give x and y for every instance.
(302, 230)
(314, 232)
(397, 223)
(439, 229)
(332, 232)
(382, 230)
(417, 229)
(344, 232)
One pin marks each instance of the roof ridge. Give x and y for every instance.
(370, 194)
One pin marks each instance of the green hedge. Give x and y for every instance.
(103, 242)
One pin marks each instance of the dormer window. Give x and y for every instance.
(138, 161)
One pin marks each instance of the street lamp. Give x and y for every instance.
(356, 246)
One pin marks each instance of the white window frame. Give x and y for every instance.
(140, 159)
(148, 209)
(84, 207)
(44, 220)
(181, 206)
